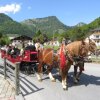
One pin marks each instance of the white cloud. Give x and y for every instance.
(10, 8)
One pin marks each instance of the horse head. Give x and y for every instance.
(92, 45)
(83, 50)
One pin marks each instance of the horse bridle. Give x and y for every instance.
(91, 48)
(83, 46)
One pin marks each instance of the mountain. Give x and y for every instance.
(95, 23)
(4, 18)
(9, 26)
(48, 25)
(80, 24)
(91, 26)
(78, 33)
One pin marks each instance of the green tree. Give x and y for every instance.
(4, 40)
(0, 35)
(40, 37)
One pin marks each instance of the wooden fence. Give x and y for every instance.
(12, 71)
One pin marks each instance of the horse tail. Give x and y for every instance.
(62, 58)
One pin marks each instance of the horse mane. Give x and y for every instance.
(83, 42)
(88, 40)
(74, 47)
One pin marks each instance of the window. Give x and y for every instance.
(98, 41)
(97, 36)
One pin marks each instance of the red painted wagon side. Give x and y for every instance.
(27, 60)
(3, 53)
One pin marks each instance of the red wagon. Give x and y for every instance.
(28, 60)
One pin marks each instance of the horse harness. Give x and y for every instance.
(76, 59)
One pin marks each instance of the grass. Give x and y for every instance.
(95, 59)
(54, 47)
(98, 47)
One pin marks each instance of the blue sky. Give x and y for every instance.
(69, 12)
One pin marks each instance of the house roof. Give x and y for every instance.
(96, 29)
(22, 37)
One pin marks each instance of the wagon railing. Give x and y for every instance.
(11, 70)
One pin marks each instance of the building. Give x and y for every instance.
(96, 36)
(22, 40)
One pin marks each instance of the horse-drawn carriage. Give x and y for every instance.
(28, 59)
(31, 58)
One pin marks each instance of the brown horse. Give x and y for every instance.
(48, 57)
(75, 49)
(80, 62)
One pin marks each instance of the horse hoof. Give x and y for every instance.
(78, 79)
(40, 80)
(53, 80)
(75, 83)
(65, 89)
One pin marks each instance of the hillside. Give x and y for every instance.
(91, 26)
(80, 24)
(82, 31)
(9, 26)
(48, 25)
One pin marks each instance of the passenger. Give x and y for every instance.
(30, 47)
(21, 51)
(9, 50)
(38, 46)
(15, 51)
(4, 48)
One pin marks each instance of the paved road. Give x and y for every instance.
(87, 89)
(7, 92)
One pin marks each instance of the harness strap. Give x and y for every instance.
(70, 58)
